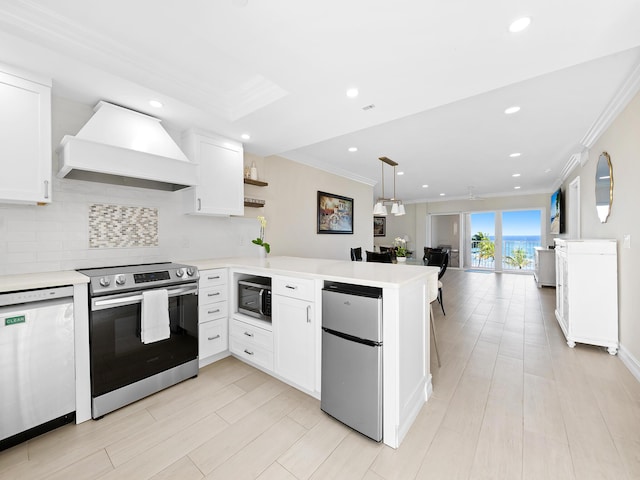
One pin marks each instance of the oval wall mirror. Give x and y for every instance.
(604, 186)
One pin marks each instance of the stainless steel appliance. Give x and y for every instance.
(351, 388)
(124, 368)
(37, 376)
(254, 297)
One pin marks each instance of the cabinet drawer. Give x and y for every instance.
(293, 287)
(217, 293)
(252, 335)
(213, 311)
(212, 338)
(251, 353)
(217, 276)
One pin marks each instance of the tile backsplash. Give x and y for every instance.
(120, 226)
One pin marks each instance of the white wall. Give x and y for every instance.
(622, 142)
(291, 210)
(56, 236)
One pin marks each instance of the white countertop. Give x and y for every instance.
(365, 273)
(30, 281)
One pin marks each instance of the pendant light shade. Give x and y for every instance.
(397, 208)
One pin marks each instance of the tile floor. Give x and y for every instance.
(511, 401)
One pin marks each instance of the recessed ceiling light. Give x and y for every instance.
(353, 149)
(245, 136)
(400, 173)
(511, 110)
(520, 24)
(514, 155)
(517, 187)
(352, 93)
(155, 103)
(515, 175)
(442, 194)
(425, 186)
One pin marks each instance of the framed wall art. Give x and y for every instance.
(379, 226)
(335, 213)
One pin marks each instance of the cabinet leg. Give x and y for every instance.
(612, 350)
(571, 343)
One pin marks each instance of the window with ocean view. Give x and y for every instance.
(519, 233)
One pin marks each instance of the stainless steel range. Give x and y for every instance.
(135, 350)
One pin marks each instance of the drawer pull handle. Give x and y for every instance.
(248, 352)
(213, 311)
(213, 278)
(248, 334)
(292, 287)
(214, 338)
(213, 294)
(308, 313)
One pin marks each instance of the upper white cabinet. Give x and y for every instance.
(220, 189)
(25, 137)
(587, 292)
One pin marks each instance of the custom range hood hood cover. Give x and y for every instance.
(123, 147)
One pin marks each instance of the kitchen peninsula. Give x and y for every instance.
(297, 286)
(406, 371)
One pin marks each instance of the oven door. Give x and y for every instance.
(117, 355)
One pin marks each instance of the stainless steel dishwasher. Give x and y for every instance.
(351, 389)
(37, 377)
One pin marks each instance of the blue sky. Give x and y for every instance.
(526, 222)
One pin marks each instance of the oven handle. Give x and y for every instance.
(115, 302)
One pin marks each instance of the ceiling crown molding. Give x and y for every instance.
(626, 93)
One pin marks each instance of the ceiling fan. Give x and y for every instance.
(471, 194)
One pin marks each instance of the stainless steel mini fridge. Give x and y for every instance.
(351, 389)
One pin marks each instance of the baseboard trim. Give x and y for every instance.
(630, 362)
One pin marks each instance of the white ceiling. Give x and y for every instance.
(440, 74)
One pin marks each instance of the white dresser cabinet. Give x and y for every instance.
(252, 343)
(25, 137)
(213, 312)
(220, 189)
(587, 292)
(545, 267)
(294, 324)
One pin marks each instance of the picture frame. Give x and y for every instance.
(379, 226)
(334, 214)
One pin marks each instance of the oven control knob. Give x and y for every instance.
(190, 271)
(121, 279)
(180, 272)
(105, 282)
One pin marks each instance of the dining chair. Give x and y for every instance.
(438, 259)
(379, 257)
(356, 254)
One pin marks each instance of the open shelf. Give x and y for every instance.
(257, 183)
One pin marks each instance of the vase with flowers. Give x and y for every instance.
(400, 245)
(264, 246)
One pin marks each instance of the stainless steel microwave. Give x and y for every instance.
(254, 297)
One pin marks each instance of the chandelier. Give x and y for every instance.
(397, 208)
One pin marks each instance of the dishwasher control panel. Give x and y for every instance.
(39, 295)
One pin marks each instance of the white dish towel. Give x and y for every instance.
(154, 325)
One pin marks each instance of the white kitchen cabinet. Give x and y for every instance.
(252, 343)
(213, 312)
(25, 137)
(294, 330)
(545, 267)
(220, 189)
(587, 292)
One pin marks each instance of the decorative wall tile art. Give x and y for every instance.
(119, 226)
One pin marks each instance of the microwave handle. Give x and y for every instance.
(260, 302)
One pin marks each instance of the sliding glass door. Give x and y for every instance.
(502, 240)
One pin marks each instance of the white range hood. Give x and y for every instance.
(124, 147)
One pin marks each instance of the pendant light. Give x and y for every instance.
(397, 208)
